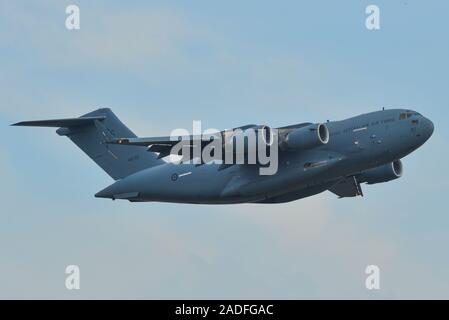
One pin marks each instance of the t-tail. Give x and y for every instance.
(90, 133)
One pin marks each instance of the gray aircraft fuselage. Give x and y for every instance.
(355, 145)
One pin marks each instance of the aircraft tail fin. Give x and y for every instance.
(90, 133)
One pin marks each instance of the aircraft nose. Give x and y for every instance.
(428, 127)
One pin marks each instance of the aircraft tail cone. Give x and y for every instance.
(105, 193)
(117, 190)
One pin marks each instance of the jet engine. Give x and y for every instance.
(384, 173)
(307, 137)
(247, 138)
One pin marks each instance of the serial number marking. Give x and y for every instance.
(246, 309)
(226, 309)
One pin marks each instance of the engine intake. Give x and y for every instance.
(247, 139)
(384, 173)
(307, 137)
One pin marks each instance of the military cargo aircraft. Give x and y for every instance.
(310, 158)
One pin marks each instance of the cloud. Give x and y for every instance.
(123, 37)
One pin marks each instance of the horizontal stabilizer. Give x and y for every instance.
(70, 122)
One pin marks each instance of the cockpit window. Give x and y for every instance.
(408, 114)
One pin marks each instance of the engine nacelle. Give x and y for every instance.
(384, 173)
(249, 138)
(311, 136)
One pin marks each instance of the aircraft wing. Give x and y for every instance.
(295, 126)
(162, 145)
(347, 187)
(169, 141)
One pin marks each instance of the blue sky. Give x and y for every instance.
(159, 65)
